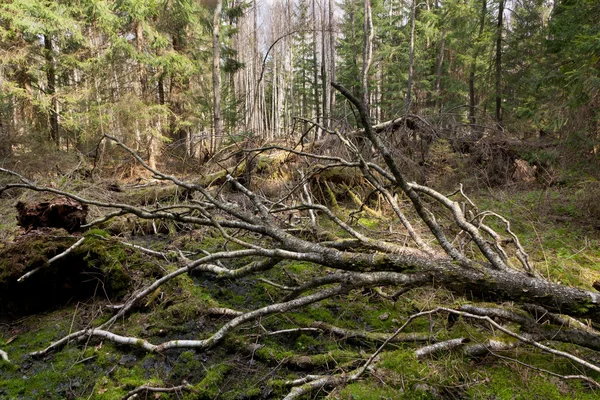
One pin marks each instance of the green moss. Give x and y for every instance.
(330, 195)
(304, 342)
(97, 232)
(367, 391)
(187, 364)
(210, 386)
(65, 377)
(503, 383)
(270, 353)
(263, 163)
(405, 362)
(370, 223)
(164, 194)
(31, 252)
(107, 257)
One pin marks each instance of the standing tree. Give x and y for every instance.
(499, 44)
(411, 56)
(216, 77)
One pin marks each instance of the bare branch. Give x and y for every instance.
(147, 389)
(447, 345)
(53, 259)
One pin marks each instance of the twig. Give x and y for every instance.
(146, 389)
(224, 311)
(293, 330)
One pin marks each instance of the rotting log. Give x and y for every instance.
(59, 212)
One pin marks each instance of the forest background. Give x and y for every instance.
(148, 73)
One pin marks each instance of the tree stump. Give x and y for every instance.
(60, 212)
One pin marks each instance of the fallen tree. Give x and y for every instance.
(440, 228)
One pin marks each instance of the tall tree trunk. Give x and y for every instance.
(143, 76)
(411, 56)
(274, 105)
(367, 51)
(256, 86)
(499, 62)
(315, 65)
(5, 142)
(331, 54)
(379, 95)
(474, 64)
(438, 72)
(324, 80)
(216, 78)
(51, 89)
(153, 143)
(161, 89)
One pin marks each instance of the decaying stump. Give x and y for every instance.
(60, 212)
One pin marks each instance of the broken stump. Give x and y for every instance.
(60, 212)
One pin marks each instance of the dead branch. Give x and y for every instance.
(560, 333)
(525, 339)
(53, 259)
(147, 389)
(349, 334)
(308, 385)
(446, 345)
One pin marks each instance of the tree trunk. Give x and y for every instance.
(499, 62)
(216, 77)
(326, 88)
(315, 67)
(143, 75)
(473, 68)
(438, 72)
(411, 56)
(51, 89)
(368, 36)
(332, 54)
(5, 140)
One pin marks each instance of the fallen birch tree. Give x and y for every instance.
(495, 269)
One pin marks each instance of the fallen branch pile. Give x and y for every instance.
(496, 269)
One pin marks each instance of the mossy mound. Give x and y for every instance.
(95, 268)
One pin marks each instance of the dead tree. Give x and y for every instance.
(499, 271)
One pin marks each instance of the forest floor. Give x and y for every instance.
(552, 223)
